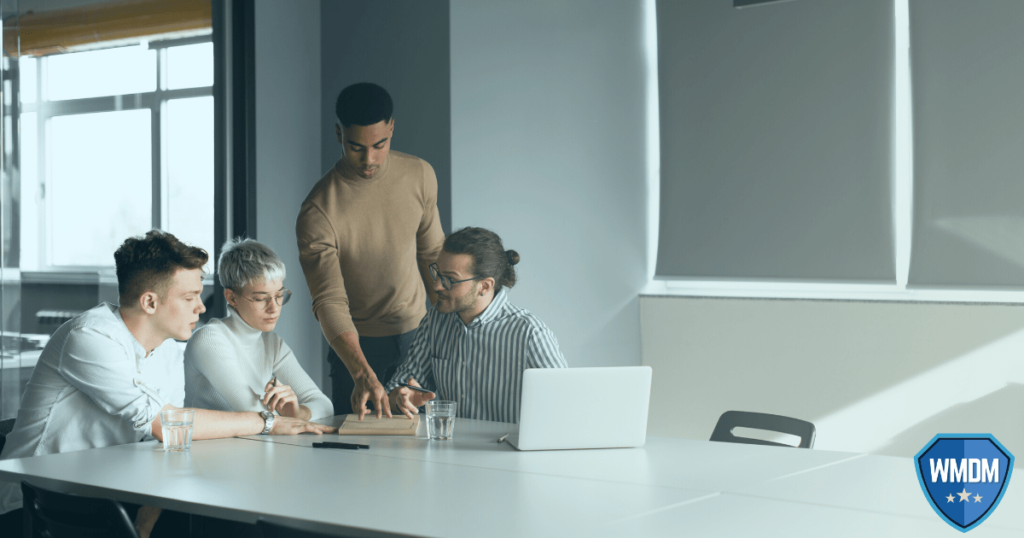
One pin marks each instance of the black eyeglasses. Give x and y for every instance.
(281, 298)
(447, 282)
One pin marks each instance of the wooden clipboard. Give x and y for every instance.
(371, 425)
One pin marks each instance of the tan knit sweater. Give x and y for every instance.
(365, 245)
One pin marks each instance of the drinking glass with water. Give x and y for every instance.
(441, 419)
(176, 425)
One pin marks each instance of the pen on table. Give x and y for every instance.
(346, 446)
(502, 438)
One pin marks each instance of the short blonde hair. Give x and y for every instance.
(247, 261)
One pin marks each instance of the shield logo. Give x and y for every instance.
(964, 476)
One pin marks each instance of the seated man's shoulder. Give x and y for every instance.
(90, 335)
(103, 319)
(523, 319)
(103, 315)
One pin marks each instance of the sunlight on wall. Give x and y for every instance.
(875, 421)
(997, 234)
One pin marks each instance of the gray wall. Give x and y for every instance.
(879, 377)
(403, 46)
(288, 152)
(548, 150)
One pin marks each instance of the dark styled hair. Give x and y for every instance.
(364, 103)
(490, 259)
(148, 264)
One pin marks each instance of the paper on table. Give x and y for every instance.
(371, 425)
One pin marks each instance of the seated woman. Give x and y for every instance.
(238, 363)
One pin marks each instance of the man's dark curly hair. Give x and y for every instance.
(364, 103)
(148, 264)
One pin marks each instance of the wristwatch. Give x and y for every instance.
(269, 418)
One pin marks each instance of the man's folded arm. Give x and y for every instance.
(209, 424)
(103, 369)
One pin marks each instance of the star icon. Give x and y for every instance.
(964, 496)
(950, 498)
(977, 498)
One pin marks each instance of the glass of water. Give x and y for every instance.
(441, 419)
(176, 425)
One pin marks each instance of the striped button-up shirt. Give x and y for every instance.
(480, 365)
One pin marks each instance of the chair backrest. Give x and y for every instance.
(49, 514)
(270, 529)
(6, 427)
(762, 421)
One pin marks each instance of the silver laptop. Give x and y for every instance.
(566, 408)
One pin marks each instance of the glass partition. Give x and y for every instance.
(102, 138)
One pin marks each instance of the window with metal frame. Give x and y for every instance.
(115, 142)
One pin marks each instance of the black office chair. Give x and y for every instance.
(269, 529)
(6, 427)
(49, 514)
(762, 421)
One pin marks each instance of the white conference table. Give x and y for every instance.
(472, 486)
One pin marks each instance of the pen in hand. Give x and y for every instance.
(272, 383)
(415, 388)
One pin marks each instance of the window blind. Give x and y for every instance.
(968, 143)
(776, 142)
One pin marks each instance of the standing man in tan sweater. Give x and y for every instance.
(367, 233)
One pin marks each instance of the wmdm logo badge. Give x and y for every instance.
(964, 476)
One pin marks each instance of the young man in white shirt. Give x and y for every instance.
(105, 375)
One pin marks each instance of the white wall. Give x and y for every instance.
(548, 151)
(880, 377)
(288, 153)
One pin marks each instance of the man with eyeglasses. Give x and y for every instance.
(239, 363)
(367, 233)
(474, 344)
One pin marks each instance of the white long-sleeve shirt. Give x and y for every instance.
(94, 386)
(228, 364)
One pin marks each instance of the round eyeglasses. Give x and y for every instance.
(447, 282)
(263, 302)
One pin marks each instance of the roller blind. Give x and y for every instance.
(967, 63)
(104, 24)
(776, 140)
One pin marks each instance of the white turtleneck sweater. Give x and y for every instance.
(228, 364)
